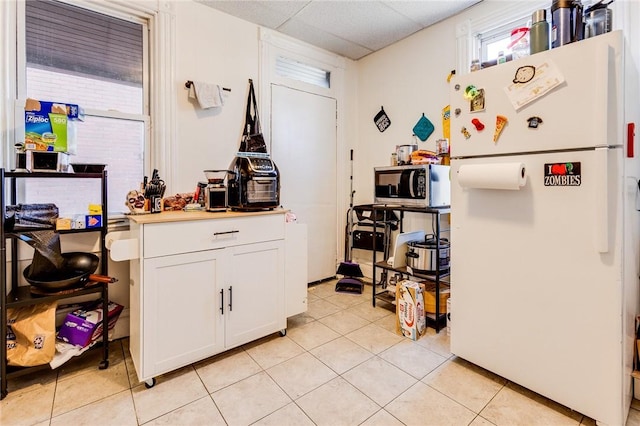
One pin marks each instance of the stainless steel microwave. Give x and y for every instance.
(414, 185)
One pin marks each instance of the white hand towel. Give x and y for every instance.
(208, 95)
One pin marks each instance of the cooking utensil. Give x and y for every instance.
(404, 153)
(423, 255)
(77, 269)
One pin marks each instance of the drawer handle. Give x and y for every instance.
(230, 298)
(225, 232)
(222, 302)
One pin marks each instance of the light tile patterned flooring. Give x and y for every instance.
(340, 363)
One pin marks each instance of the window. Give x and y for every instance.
(498, 40)
(296, 70)
(484, 36)
(80, 56)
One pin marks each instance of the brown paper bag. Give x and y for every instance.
(31, 334)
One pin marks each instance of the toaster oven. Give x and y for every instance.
(413, 185)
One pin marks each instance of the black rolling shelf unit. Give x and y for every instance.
(438, 320)
(22, 295)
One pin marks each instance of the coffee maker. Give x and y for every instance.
(215, 193)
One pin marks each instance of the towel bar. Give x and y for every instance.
(189, 83)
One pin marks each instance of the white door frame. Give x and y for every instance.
(273, 44)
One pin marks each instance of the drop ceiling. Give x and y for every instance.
(352, 29)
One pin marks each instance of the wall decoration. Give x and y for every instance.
(423, 128)
(382, 120)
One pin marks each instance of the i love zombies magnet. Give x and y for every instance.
(563, 174)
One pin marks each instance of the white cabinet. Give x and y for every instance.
(254, 296)
(220, 286)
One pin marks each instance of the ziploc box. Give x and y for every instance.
(50, 126)
(84, 326)
(410, 318)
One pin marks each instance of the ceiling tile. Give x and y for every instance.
(298, 29)
(428, 12)
(253, 11)
(370, 24)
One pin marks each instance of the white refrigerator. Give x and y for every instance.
(545, 227)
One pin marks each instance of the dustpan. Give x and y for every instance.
(351, 282)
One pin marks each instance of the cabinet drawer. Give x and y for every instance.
(162, 239)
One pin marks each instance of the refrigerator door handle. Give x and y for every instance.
(601, 92)
(602, 203)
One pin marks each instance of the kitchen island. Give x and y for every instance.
(202, 283)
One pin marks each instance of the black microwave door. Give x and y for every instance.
(405, 186)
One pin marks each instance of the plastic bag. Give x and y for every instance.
(31, 334)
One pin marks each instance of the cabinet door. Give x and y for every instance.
(255, 292)
(181, 318)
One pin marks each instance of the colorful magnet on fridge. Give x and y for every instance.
(470, 92)
(457, 111)
(465, 132)
(501, 121)
(524, 74)
(534, 122)
(478, 124)
(477, 103)
(450, 76)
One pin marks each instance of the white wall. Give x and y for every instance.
(213, 47)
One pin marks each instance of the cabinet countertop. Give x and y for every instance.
(180, 216)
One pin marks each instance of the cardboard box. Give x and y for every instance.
(410, 317)
(84, 326)
(49, 126)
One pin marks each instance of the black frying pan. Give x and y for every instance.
(76, 270)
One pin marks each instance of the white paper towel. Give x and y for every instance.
(492, 176)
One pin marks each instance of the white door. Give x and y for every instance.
(254, 292)
(180, 310)
(303, 145)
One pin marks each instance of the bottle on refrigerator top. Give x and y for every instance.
(475, 65)
(539, 33)
(519, 43)
(501, 58)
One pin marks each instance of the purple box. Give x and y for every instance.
(84, 326)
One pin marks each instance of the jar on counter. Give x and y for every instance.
(501, 58)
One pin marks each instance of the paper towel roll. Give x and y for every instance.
(492, 176)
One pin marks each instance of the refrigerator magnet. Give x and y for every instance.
(465, 132)
(501, 121)
(478, 124)
(534, 122)
(477, 103)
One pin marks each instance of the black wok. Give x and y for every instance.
(75, 272)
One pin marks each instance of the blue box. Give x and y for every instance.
(93, 221)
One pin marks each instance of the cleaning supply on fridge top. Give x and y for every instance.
(539, 32)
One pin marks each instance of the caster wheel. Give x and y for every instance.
(283, 332)
(103, 365)
(150, 383)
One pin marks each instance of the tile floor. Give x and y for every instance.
(340, 363)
